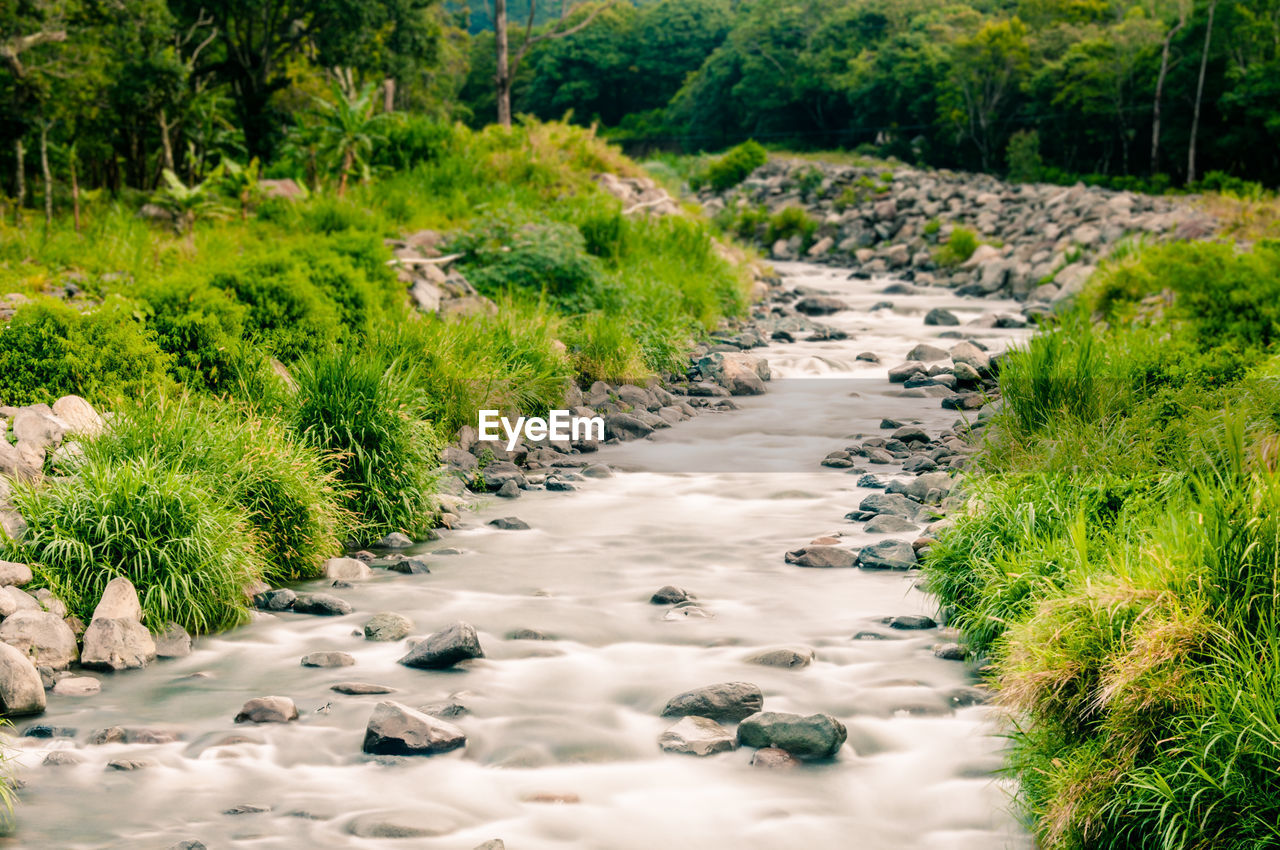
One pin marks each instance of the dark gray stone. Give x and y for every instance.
(458, 642)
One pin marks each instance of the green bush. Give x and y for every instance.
(1060, 374)
(603, 348)
(959, 247)
(1023, 157)
(732, 168)
(49, 350)
(169, 532)
(368, 415)
(288, 315)
(412, 140)
(283, 488)
(792, 221)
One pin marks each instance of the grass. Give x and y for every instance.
(1118, 566)
(958, 248)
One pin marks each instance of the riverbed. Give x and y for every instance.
(562, 733)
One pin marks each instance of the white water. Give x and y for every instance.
(579, 715)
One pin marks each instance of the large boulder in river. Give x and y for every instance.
(21, 691)
(740, 374)
(40, 636)
(268, 710)
(815, 736)
(726, 701)
(447, 647)
(887, 555)
(116, 638)
(821, 556)
(398, 730)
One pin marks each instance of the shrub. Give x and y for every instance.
(412, 140)
(1023, 157)
(959, 247)
(604, 349)
(288, 315)
(169, 532)
(1059, 374)
(282, 487)
(368, 415)
(49, 350)
(732, 168)
(792, 221)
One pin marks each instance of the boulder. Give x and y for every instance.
(815, 736)
(116, 638)
(119, 601)
(772, 757)
(77, 686)
(42, 637)
(727, 701)
(821, 556)
(740, 374)
(624, 426)
(346, 568)
(697, 736)
(361, 688)
(37, 428)
(969, 354)
(21, 691)
(398, 730)
(509, 523)
(453, 644)
(887, 555)
(328, 659)
(268, 710)
(281, 599)
(173, 642)
(387, 626)
(321, 604)
(670, 595)
(784, 656)
(79, 416)
(13, 599)
(14, 574)
(926, 353)
(888, 524)
(820, 305)
(940, 316)
(894, 504)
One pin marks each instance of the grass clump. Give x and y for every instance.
(187, 551)
(792, 221)
(368, 414)
(958, 248)
(732, 168)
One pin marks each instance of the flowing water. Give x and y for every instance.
(710, 505)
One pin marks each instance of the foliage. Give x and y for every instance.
(185, 550)
(731, 169)
(958, 248)
(1022, 156)
(50, 349)
(791, 221)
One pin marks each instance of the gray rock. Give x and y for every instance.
(321, 604)
(911, 433)
(784, 656)
(624, 426)
(77, 686)
(268, 710)
(453, 644)
(130, 764)
(815, 736)
(697, 736)
(21, 690)
(910, 622)
(328, 659)
(740, 374)
(346, 568)
(774, 758)
(888, 524)
(969, 354)
(42, 637)
(119, 601)
(173, 642)
(62, 758)
(509, 490)
(387, 626)
(117, 644)
(940, 316)
(820, 305)
(726, 701)
(398, 730)
(887, 555)
(822, 556)
(49, 602)
(899, 374)
(14, 574)
(893, 504)
(394, 540)
(509, 523)
(361, 688)
(925, 353)
(917, 488)
(276, 600)
(670, 595)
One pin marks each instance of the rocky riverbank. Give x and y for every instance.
(1039, 242)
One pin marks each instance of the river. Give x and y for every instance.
(710, 505)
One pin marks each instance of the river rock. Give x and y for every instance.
(624, 426)
(398, 730)
(740, 374)
(21, 690)
(453, 644)
(908, 622)
(387, 626)
(14, 574)
(42, 637)
(899, 374)
(969, 354)
(887, 555)
(509, 523)
(820, 305)
(62, 758)
(893, 504)
(815, 736)
(268, 710)
(173, 642)
(821, 556)
(888, 524)
(783, 656)
(281, 599)
(774, 758)
(697, 736)
(917, 489)
(670, 595)
(328, 659)
(926, 353)
(346, 568)
(13, 599)
(77, 686)
(394, 540)
(321, 604)
(78, 415)
(727, 701)
(116, 638)
(361, 688)
(940, 316)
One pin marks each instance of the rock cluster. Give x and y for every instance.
(1043, 241)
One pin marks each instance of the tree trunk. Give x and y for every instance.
(346, 169)
(165, 141)
(1155, 106)
(46, 173)
(20, 179)
(389, 94)
(1195, 117)
(502, 77)
(75, 192)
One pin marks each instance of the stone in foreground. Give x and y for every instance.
(387, 626)
(116, 638)
(887, 555)
(445, 648)
(726, 701)
(821, 556)
(321, 605)
(21, 691)
(42, 637)
(398, 730)
(784, 656)
(268, 710)
(774, 758)
(697, 736)
(328, 659)
(816, 736)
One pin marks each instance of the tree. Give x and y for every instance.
(1195, 115)
(348, 128)
(508, 64)
(987, 70)
(1169, 36)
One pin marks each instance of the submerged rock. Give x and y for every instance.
(509, 523)
(814, 736)
(774, 758)
(268, 710)
(670, 595)
(785, 656)
(698, 736)
(361, 688)
(398, 730)
(726, 701)
(822, 556)
(328, 659)
(453, 644)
